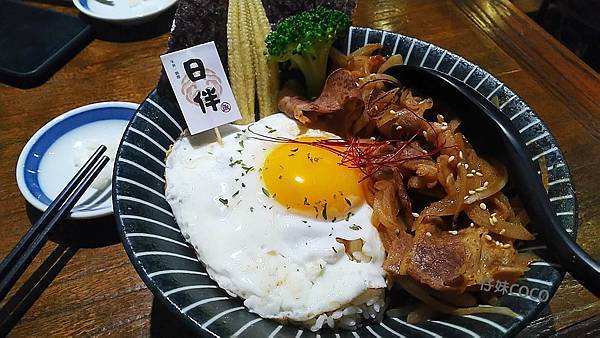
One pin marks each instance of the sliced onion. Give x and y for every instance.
(443, 207)
(353, 249)
(385, 205)
(495, 175)
(422, 293)
(386, 118)
(507, 229)
(366, 50)
(445, 174)
(414, 103)
(368, 190)
(393, 60)
(499, 310)
(380, 77)
(461, 190)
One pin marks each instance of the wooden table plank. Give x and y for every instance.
(562, 72)
(98, 291)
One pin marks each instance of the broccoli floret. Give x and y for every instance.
(305, 39)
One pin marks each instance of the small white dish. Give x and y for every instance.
(124, 12)
(57, 151)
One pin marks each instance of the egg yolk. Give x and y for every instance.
(310, 180)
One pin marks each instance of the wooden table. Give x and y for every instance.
(97, 292)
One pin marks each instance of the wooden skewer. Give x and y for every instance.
(218, 134)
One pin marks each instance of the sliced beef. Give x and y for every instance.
(341, 93)
(452, 262)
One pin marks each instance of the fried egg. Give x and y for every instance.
(269, 220)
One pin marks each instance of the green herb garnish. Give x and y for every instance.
(266, 192)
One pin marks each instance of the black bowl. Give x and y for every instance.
(168, 265)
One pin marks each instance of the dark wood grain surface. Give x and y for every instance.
(94, 290)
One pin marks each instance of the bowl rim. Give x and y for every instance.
(26, 151)
(128, 19)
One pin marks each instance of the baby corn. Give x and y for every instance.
(266, 72)
(239, 53)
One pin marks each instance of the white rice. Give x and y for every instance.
(349, 317)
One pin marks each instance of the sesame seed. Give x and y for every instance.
(498, 243)
(493, 214)
(466, 166)
(445, 124)
(415, 215)
(491, 220)
(428, 234)
(471, 192)
(440, 117)
(425, 133)
(392, 111)
(479, 174)
(502, 231)
(470, 175)
(486, 183)
(460, 154)
(398, 127)
(506, 246)
(453, 232)
(464, 198)
(471, 224)
(488, 237)
(480, 189)
(482, 206)
(425, 151)
(444, 127)
(373, 138)
(451, 158)
(495, 219)
(473, 171)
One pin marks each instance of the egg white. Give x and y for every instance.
(285, 265)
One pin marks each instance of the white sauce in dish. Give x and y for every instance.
(69, 152)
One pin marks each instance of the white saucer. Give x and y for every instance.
(56, 152)
(125, 12)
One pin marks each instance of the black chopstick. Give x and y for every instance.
(30, 244)
(52, 209)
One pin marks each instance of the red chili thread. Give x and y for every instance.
(362, 154)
